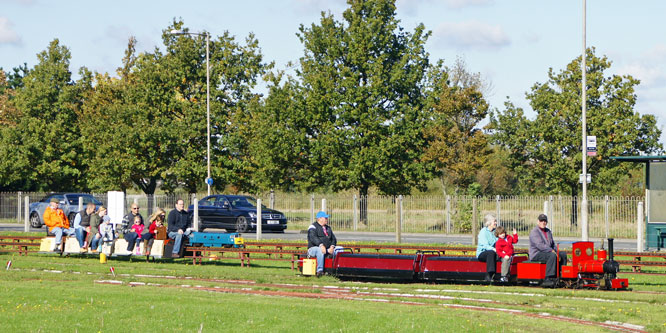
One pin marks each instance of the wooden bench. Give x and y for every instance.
(23, 248)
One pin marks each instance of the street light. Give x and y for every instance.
(209, 180)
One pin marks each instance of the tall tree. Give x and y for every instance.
(546, 152)
(159, 107)
(363, 81)
(458, 147)
(43, 147)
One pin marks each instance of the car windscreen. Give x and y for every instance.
(237, 202)
(74, 200)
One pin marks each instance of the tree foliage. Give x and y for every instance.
(42, 146)
(458, 147)
(363, 81)
(546, 152)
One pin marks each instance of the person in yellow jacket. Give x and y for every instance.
(55, 219)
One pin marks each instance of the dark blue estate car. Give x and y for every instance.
(237, 213)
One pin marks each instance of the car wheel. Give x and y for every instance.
(241, 224)
(35, 222)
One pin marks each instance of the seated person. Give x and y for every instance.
(57, 222)
(504, 249)
(542, 249)
(321, 241)
(178, 226)
(485, 249)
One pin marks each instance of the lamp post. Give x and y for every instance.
(209, 180)
(583, 87)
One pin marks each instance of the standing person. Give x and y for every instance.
(321, 241)
(128, 220)
(157, 230)
(542, 249)
(178, 226)
(58, 224)
(485, 250)
(82, 225)
(504, 249)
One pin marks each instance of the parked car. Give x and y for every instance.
(69, 203)
(237, 213)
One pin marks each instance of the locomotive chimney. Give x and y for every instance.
(610, 249)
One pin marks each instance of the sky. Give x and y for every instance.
(512, 43)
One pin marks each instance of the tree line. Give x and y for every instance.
(365, 109)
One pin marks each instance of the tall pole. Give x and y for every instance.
(208, 108)
(583, 206)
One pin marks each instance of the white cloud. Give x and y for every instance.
(651, 76)
(471, 35)
(7, 34)
(314, 7)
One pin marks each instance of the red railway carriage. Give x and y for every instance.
(585, 270)
(441, 268)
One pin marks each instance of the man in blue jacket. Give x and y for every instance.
(321, 241)
(542, 249)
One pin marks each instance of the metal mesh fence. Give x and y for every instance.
(607, 216)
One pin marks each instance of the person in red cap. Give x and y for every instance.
(321, 241)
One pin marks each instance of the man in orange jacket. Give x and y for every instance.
(55, 219)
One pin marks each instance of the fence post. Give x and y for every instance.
(639, 225)
(545, 207)
(606, 216)
(474, 221)
(448, 214)
(497, 208)
(354, 209)
(26, 211)
(551, 218)
(195, 216)
(80, 204)
(323, 204)
(18, 207)
(272, 200)
(397, 218)
(259, 219)
(312, 215)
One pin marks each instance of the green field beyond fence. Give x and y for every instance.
(607, 216)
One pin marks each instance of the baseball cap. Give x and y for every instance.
(543, 217)
(322, 214)
(54, 200)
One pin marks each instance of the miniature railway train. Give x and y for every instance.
(584, 270)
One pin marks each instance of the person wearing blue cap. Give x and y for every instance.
(321, 241)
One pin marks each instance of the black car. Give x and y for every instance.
(237, 213)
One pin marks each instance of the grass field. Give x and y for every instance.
(44, 292)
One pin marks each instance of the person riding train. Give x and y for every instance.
(542, 249)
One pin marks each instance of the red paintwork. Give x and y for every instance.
(531, 271)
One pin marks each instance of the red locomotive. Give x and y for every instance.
(584, 272)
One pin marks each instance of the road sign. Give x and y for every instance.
(591, 145)
(209, 181)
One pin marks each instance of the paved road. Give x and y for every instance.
(348, 236)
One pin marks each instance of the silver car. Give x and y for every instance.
(68, 202)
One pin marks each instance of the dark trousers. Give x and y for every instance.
(490, 258)
(550, 258)
(131, 238)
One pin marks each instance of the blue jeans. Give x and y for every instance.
(178, 239)
(94, 243)
(131, 238)
(80, 236)
(57, 231)
(315, 251)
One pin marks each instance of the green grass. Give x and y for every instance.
(34, 298)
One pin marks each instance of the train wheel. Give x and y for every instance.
(241, 224)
